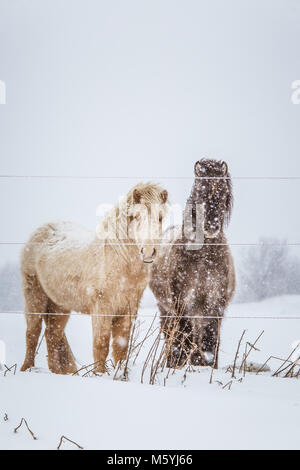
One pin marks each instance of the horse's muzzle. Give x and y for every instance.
(212, 233)
(148, 255)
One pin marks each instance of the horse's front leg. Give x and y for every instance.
(207, 353)
(121, 333)
(206, 326)
(102, 323)
(121, 329)
(211, 342)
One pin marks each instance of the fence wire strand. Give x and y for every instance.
(109, 177)
(208, 317)
(106, 243)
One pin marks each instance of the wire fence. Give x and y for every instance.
(123, 177)
(104, 243)
(108, 177)
(141, 315)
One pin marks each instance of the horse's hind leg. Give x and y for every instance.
(60, 356)
(33, 331)
(35, 303)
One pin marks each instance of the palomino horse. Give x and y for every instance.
(65, 268)
(193, 283)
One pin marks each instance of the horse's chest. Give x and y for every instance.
(128, 280)
(194, 280)
(187, 282)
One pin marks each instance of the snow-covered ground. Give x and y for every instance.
(181, 411)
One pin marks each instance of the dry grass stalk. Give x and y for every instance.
(141, 344)
(291, 368)
(23, 420)
(155, 365)
(148, 334)
(264, 365)
(166, 377)
(9, 369)
(118, 367)
(247, 354)
(281, 369)
(171, 334)
(39, 345)
(266, 362)
(67, 439)
(149, 356)
(157, 356)
(184, 376)
(227, 385)
(237, 354)
(85, 368)
(216, 352)
(132, 341)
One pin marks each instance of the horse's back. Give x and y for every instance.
(33, 246)
(57, 236)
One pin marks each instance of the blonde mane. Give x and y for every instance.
(112, 230)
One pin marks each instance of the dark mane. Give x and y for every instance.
(213, 186)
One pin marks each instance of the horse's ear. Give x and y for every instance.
(224, 168)
(164, 196)
(197, 168)
(136, 196)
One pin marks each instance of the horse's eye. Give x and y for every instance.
(131, 218)
(160, 218)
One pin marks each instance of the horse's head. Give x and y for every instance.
(145, 214)
(213, 190)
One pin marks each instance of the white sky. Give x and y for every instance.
(135, 88)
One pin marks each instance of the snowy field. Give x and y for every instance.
(182, 410)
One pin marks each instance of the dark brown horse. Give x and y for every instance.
(193, 276)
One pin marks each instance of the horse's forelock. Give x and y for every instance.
(150, 193)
